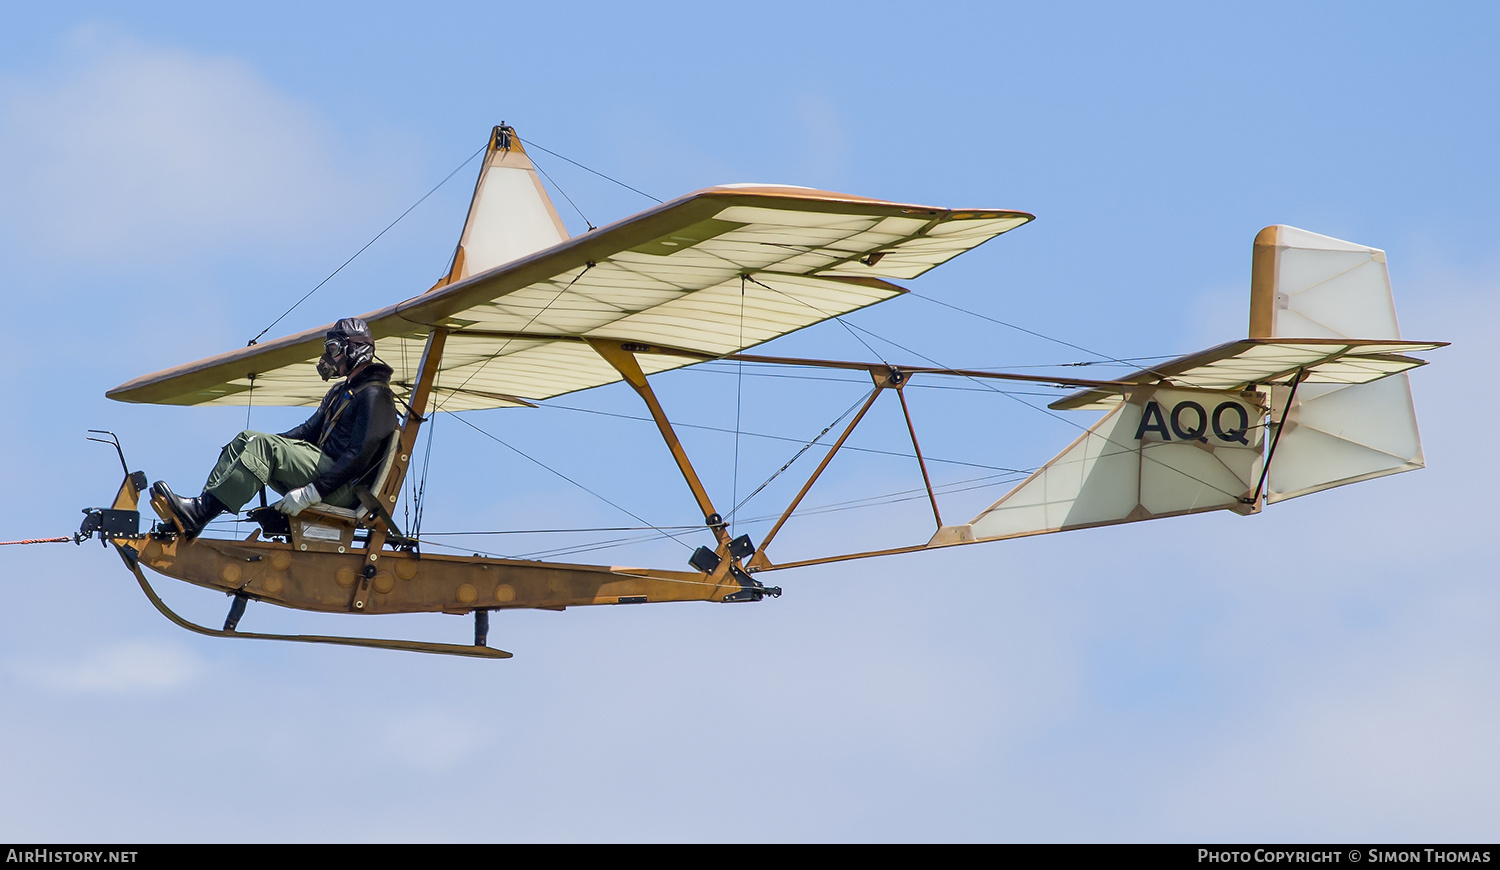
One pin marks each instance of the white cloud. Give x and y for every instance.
(129, 667)
(127, 150)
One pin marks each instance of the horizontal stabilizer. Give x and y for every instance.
(1252, 362)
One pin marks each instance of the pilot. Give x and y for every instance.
(320, 461)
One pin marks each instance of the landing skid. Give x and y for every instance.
(450, 649)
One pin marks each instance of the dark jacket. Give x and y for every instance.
(351, 427)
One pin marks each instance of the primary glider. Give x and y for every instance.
(1315, 397)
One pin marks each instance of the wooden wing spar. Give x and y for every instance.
(711, 273)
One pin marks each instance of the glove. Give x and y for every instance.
(297, 499)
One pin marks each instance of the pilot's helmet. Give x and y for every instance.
(346, 347)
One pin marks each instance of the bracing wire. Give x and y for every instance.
(799, 453)
(739, 392)
(411, 487)
(492, 357)
(897, 497)
(491, 532)
(558, 187)
(640, 419)
(1049, 413)
(408, 211)
(543, 465)
(834, 317)
(531, 144)
(990, 387)
(1103, 356)
(420, 496)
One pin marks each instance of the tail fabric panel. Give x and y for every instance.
(1304, 285)
(1161, 453)
(1343, 434)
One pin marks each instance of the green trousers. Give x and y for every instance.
(255, 459)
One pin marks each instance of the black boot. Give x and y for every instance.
(189, 514)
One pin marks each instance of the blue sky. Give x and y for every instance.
(176, 175)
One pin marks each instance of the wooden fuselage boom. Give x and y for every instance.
(327, 580)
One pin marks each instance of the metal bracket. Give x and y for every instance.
(108, 523)
(482, 627)
(236, 610)
(750, 588)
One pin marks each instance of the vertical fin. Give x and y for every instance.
(1304, 285)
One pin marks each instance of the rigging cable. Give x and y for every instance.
(411, 487)
(562, 531)
(895, 497)
(1102, 356)
(565, 196)
(968, 485)
(739, 391)
(368, 244)
(805, 448)
(419, 493)
(799, 440)
(1125, 447)
(586, 267)
(632, 515)
(533, 144)
(826, 315)
(990, 387)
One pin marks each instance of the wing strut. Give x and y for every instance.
(420, 393)
(921, 463)
(1280, 427)
(891, 379)
(622, 357)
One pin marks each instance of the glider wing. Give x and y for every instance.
(712, 272)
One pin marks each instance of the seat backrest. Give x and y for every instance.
(382, 471)
(393, 443)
